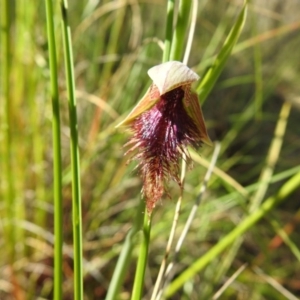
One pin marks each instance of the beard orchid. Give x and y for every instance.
(164, 122)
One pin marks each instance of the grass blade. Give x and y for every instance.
(75, 161)
(169, 31)
(125, 256)
(57, 165)
(272, 157)
(142, 260)
(180, 30)
(209, 79)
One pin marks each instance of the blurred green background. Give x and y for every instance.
(114, 44)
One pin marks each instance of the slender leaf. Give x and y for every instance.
(169, 30)
(57, 165)
(209, 79)
(180, 30)
(75, 164)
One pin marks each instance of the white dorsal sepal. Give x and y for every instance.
(170, 75)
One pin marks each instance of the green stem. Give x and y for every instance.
(180, 30)
(75, 161)
(169, 31)
(291, 185)
(209, 79)
(57, 167)
(142, 260)
(125, 256)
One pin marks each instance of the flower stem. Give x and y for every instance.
(142, 260)
(125, 255)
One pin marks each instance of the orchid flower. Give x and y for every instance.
(164, 122)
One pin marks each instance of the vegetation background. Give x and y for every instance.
(114, 44)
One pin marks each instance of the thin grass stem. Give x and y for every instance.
(272, 157)
(163, 265)
(285, 237)
(57, 165)
(209, 79)
(219, 293)
(142, 260)
(200, 195)
(192, 214)
(275, 284)
(75, 160)
(180, 30)
(169, 31)
(125, 255)
(270, 34)
(191, 32)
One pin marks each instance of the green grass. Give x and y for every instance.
(57, 163)
(71, 208)
(74, 153)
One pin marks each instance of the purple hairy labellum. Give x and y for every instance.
(165, 121)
